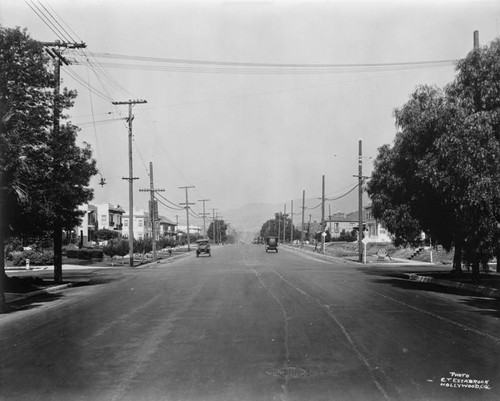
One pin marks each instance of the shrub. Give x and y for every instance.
(116, 248)
(165, 242)
(105, 235)
(36, 258)
(84, 253)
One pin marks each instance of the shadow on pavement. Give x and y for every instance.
(22, 304)
(484, 305)
(24, 300)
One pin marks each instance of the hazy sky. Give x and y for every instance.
(261, 122)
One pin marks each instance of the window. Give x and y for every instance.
(125, 222)
(140, 222)
(336, 227)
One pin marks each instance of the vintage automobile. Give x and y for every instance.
(203, 247)
(271, 244)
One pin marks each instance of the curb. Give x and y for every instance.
(321, 256)
(48, 290)
(478, 289)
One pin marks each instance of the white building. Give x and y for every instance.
(98, 217)
(192, 229)
(139, 223)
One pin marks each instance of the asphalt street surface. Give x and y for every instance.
(244, 324)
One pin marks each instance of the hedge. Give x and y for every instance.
(36, 258)
(85, 254)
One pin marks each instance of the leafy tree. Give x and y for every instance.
(24, 101)
(105, 235)
(442, 174)
(43, 175)
(218, 232)
(274, 226)
(348, 237)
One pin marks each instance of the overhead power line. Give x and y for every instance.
(266, 65)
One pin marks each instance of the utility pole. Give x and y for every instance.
(309, 228)
(303, 211)
(291, 224)
(279, 226)
(476, 40)
(330, 219)
(284, 224)
(203, 215)
(130, 179)
(213, 226)
(360, 206)
(323, 213)
(220, 220)
(153, 207)
(52, 48)
(187, 214)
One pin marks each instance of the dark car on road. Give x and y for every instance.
(203, 247)
(272, 244)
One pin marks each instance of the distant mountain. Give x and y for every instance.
(251, 217)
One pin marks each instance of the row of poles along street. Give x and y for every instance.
(52, 50)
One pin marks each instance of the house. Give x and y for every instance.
(167, 227)
(88, 226)
(109, 216)
(310, 229)
(374, 229)
(192, 229)
(139, 221)
(97, 217)
(164, 227)
(339, 222)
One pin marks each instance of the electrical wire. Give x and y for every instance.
(98, 150)
(278, 71)
(45, 19)
(164, 204)
(341, 196)
(172, 203)
(272, 65)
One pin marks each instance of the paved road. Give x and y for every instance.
(249, 325)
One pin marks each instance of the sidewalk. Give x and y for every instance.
(38, 280)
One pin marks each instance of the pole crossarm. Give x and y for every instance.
(129, 102)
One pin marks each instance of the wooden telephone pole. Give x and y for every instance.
(204, 216)
(53, 49)
(303, 211)
(130, 180)
(360, 202)
(187, 213)
(153, 207)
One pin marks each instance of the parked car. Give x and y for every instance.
(203, 247)
(272, 244)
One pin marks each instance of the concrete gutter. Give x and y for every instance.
(477, 289)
